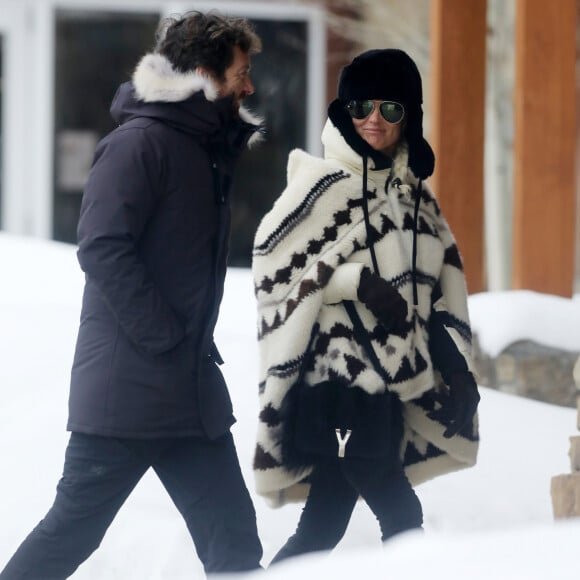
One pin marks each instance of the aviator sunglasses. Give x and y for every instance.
(391, 111)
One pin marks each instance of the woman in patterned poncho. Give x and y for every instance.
(360, 225)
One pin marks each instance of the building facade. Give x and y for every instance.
(61, 62)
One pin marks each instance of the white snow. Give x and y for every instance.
(493, 521)
(501, 318)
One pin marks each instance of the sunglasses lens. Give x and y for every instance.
(392, 112)
(360, 109)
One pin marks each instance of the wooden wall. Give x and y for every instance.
(458, 31)
(545, 147)
(544, 188)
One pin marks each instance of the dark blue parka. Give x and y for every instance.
(153, 237)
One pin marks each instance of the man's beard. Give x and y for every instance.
(237, 102)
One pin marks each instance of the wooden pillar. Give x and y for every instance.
(458, 30)
(544, 147)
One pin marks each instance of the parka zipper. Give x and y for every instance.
(220, 199)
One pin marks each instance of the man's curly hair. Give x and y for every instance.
(206, 40)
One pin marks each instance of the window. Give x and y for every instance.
(281, 99)
(94, 52)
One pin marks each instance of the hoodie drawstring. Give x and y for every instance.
(370, 241)
(418, 195)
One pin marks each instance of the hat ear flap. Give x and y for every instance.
(421, 156)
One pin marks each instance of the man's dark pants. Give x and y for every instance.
(202, 477)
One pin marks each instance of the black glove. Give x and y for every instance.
(382, 299)
(459, 406)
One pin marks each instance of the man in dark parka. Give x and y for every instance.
(153, 232)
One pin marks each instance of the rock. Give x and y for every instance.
(565, 490)
(576, 373)
(532, 370)
(574, 454)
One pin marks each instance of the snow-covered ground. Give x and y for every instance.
(490, 522)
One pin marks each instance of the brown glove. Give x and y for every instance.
(382, 299)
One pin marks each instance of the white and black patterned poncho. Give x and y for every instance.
(308, 254)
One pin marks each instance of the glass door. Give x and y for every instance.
(281, 99)
(289, 76)
(95, 51)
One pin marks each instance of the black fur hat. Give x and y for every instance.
(386, 74)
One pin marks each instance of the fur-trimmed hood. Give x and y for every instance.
(189, 101)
